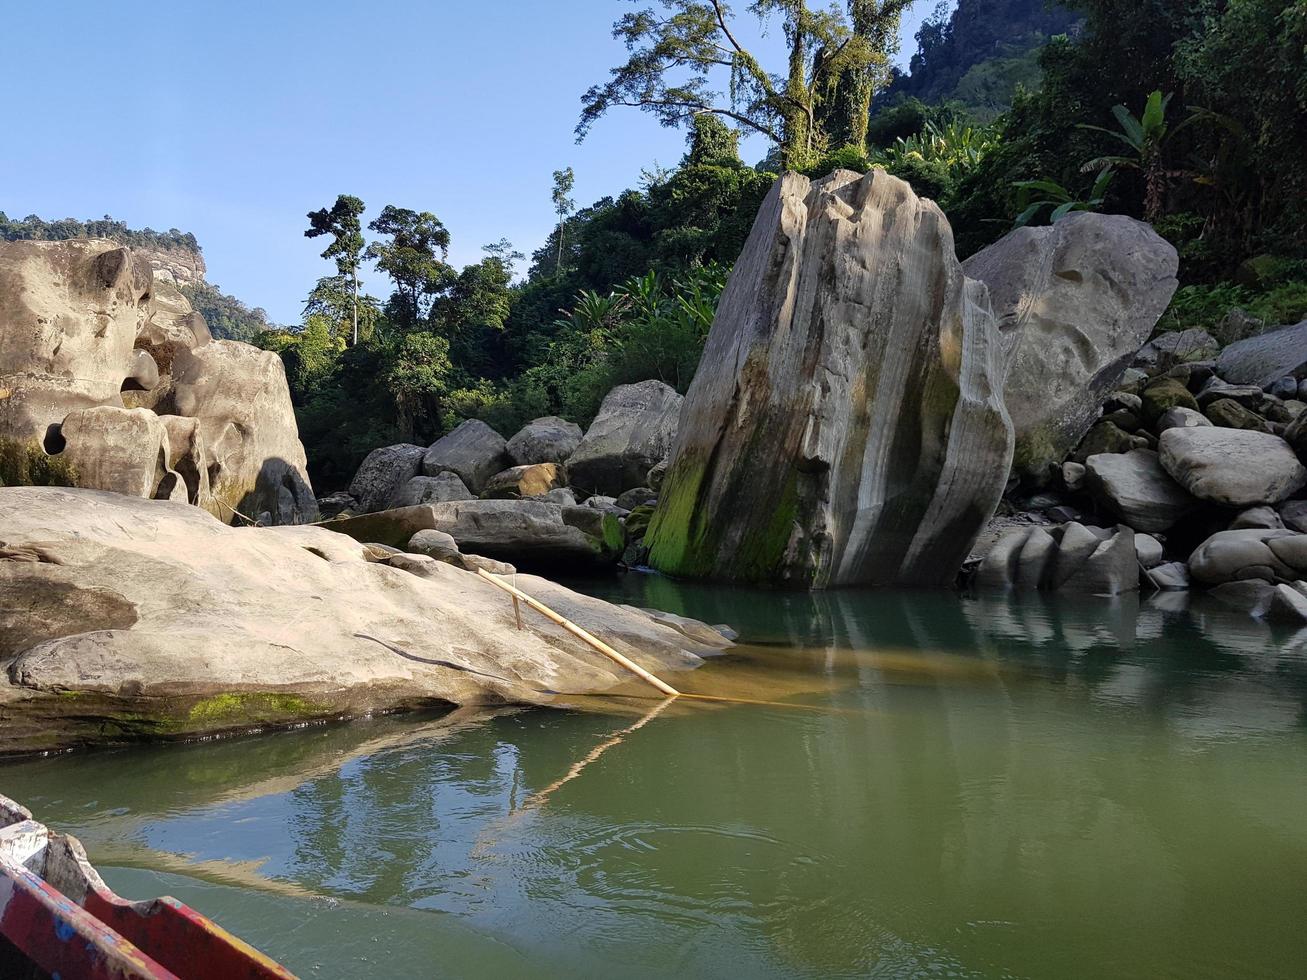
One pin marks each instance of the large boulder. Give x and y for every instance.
(1074, 302)
(1270, 555)
(1232, 467)
(529, 480)
(383, 473)
(436, 489)
(544, 440)
(532, 533)
(1266, 358)
(846, 425)
(85, 324)
(473, 451)
(633, 431)
(1136, 488)
(125, 618)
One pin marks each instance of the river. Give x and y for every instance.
(951, 786)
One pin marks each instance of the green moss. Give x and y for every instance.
(614, 540)
(26, 464)
(669, 536)
(257, 706)
(637, 522)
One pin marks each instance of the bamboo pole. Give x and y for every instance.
(581, 634)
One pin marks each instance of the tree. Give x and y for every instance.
(834, 63)
(414, 258)
(341, 222)
(335, 299)
(563, 206)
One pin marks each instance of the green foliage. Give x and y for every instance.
(414, 258)
(36, 229)
(1056, 197)
(1274, 303)
(28, 465)
(227, 317)
(342, 223)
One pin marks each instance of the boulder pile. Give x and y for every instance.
(110, 381)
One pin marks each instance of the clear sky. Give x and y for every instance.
(233, 119)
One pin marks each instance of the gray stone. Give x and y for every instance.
(1173, 576)
(1288, 605)
(1148, 550)
(474, 451)
(1073, 475)
(1294, 514)
(1251, 596)
(1134, 486)
(635, 497)
(437, 489)
(1074, 302)
(1167, 350)
(335, 504)
(560, 495)
(1235, 326)
(1232, 467)
(1181, 418)
(381, 475)
(544, 440)
(1109, 570)
(1262, 517)
(1286, 387)
(877, 454)
(119, 449)
(530, 480)
(393, 528)
(1231, 556)
(531, 532)
(1266, 358)
(1127, 400)
(657, 474)
(434, 544)
(634, 429)
(1249, 396)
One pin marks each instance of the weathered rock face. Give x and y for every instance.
(473, 451)
(383, 473)
(1136, 488)
(431, 490)
(544, 440)
(1074, 301)
(633, 431)
(1232, 467)
(1266, 358)
(532, 533)
(1071, 558)
(90, 340)
(161, 621)
(846, 425)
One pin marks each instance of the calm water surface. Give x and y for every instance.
(961, 788)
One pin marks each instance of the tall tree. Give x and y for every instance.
(564, 180)
(834, 58)
(341, 222)
(414, 258)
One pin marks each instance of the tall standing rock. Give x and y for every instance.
(1074, 301)
(846, 425)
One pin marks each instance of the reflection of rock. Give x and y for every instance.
(1075, 300)
(169, 622)
(84, 325)
(846, 425)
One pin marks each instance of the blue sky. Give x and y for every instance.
(233, 119)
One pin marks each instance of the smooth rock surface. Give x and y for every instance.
(383, 473)
(544, 440)
(436, 489)
(1074, 302)
(1232, 467)
(1180, 418)
(473, 451)
(1136, 488)
(634, 430)
(1267, 357)
(162, 621)
(531, 533)
(1231, 556)
(846, 425)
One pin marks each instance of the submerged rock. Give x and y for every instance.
(1074, 301)
(1070, 558)
(846, 425)
(126, 619)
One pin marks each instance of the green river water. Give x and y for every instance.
(971, 788)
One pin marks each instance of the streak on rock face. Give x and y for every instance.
(846, 425)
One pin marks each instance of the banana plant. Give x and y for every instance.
(1057, 197)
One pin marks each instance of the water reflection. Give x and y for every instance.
(984, 787)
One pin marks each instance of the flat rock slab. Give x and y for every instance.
(1231, 467)
(1266, 358)
(126, 619)
(1136, 487)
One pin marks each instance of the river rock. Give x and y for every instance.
(436, 489)
(846, 424)
(1164, 394)
(1180, 418)
(1294, 514)
(1134, 486)
(1106, 437)
(435, 544)
(1258, 517)
(1235, 326)
(1288, 605)
(1231, 556)
(532, 480)
(148, 618)
(636, 497)
(1074, 302)
(473, 451)
(633, 431)
(1251, 596)
(1173, 576)
(383, 473)
(1249, 396)
(1267, 357)
(1229, 414)
(335, 504)
(1283, 388)
(1070, 558)
(1295, 434)
(1166, 350)
(657, 473)
(1232, 467)
(1148, 550)
(532, 533)
(544, 440)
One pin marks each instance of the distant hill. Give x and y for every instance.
(980, 54)
(173, 254)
